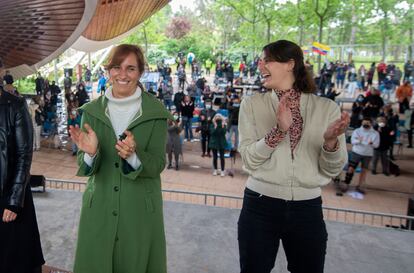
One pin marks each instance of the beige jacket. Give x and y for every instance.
(276, 172)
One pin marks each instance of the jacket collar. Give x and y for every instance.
(151, 108)
(304, 98)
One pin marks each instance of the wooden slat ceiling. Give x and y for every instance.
(115, 17)
(31, 30)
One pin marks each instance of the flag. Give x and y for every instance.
(305, 50)
(320, 48)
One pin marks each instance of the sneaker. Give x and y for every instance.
(169, 166)
(374, 172)
(223, 173)
(215, 172)
(409, 146)
(203, 155)
(358, 189)
(177, 168)
(387, 174)
(192, 140)
(185, 140)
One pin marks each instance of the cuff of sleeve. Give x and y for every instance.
(274, 137)
(263, 149)
(88, 159)
(134, 161)
(326, 149)
(331, 155)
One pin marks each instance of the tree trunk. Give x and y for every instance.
(321, 19)
(145, 39)
(353, 30)
(410, 34)
(268, 22)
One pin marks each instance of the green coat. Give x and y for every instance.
(121, 224)
(217, 137)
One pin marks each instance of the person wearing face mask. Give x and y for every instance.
(357, 112)
(218, 143)
(234, 107)
(121, 142)
(381, 152)
(409, 124)
(174, 141)
(364, 140)
(82, 95)
(292, 143)
(206, 120)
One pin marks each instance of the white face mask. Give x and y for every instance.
(381, 124)
(208, 106)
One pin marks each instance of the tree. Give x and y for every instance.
(178, 28)
(324, 10)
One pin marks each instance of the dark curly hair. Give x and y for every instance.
(283, 51)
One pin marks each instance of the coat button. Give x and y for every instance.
(116, 188)
(114, 213)
(116, 165)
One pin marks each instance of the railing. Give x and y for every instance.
(348, 216)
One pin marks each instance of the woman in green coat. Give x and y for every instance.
(218, 142)
(122, 150)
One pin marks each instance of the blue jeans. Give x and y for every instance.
(187, 127)
(264, 221)
(168, 104)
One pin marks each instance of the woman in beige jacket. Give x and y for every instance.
(292, 142)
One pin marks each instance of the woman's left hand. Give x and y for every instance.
(126, 147)
(9, 216)
(337, 128)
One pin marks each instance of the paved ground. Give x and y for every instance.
(204, 239)
(384, 194)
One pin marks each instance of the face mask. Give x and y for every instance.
(74, 113)
(208, 106)
(360, 99)
(175, 117)
(236, 104)
(366, 126)
(381, 124)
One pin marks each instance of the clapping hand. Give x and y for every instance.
(86, 141)
(335, 129)
(126, 147)
(284, 114)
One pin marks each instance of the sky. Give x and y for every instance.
(175, 4)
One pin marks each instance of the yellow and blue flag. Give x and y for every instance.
(320, 48)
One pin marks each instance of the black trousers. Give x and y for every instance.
(205, 141)
(20, 247)
(264, 221)
(215, 156)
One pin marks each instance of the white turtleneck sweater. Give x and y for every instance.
(122, 111)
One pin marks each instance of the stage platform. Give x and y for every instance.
(202, 239)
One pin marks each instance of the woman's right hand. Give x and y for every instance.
(86, 141)
(284, 114)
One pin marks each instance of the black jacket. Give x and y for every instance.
(16, 147)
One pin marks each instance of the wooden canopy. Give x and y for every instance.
(33, 32)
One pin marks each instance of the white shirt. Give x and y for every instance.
(364, 141)
(122, 111)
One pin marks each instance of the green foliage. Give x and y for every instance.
(228, 28)
(26, 85)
